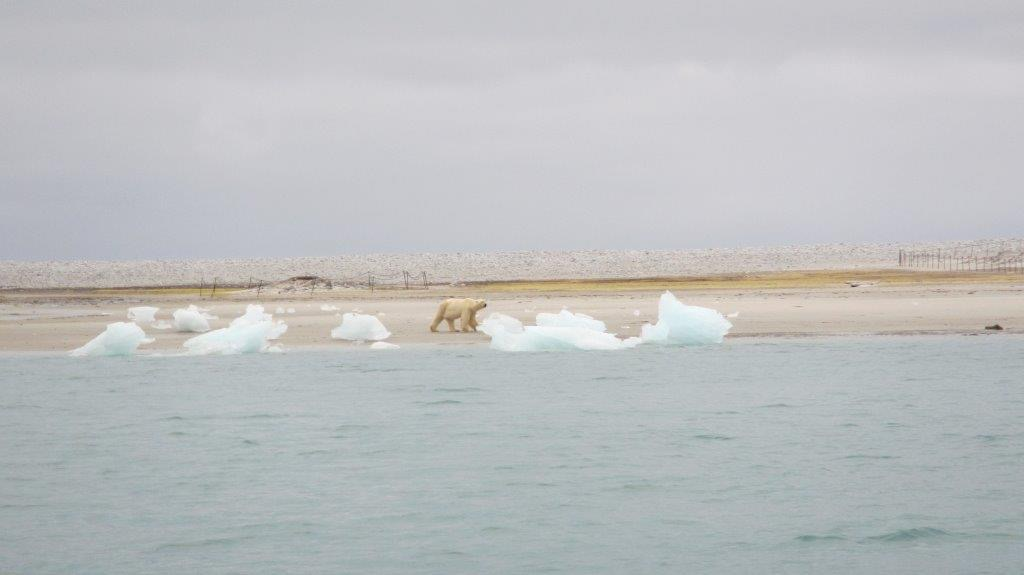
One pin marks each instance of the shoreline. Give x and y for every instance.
(352, 347)
(780, 305)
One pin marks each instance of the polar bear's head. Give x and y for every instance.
(479, 305)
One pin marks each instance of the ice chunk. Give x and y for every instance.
(493, 321)
(162, 324)
(192, 319)
(566, 318)
(328, 307)
(291, 310)
(733, 315)
(142, 314)
(120, 338)
(360, 327)
(279, 311)
(560, 331)
(253, 315)
(682, 324)
(383, 345)
(251, 332)
(636, 312)
(548, 338)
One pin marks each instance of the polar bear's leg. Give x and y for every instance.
(439, 316)
(451, 324)
(465, 322)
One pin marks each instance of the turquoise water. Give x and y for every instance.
(873, 455)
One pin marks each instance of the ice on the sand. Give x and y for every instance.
(360, 327)
(120, 338)
(253, 315)
(192, 319)
(383, 345)
(678, 324)
(566, 318)
(279, 311)
(681, 324)
(495, 320)
(732, 315)
(162, 324)
(547, 338)
(251, 332)
(560, 331)
(328, 307)
(142, 314)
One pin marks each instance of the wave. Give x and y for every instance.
(912, 534)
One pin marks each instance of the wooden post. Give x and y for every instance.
(213, 292)
(405, 276)
(259, 290)
(425, 284)
(202, 284)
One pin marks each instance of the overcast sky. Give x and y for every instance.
(210, 129)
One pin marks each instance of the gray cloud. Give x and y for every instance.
(217, 129)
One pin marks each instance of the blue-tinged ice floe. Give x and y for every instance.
(192, 319)
(120, 338)
(678, 324)
(383, 345)
(543, 338)
(681, 324)
(493, 322)
(561, 331)
(251, 332)
(566, 318)
(360, 327)
(142, 314)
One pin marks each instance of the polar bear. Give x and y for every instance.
(464, 309)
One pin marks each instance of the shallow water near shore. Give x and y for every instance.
(829, 455)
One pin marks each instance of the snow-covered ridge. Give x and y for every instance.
(465, 266)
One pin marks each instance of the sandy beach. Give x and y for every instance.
(769, 305)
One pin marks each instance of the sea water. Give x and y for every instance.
(835, 455)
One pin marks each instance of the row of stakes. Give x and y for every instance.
(371, 283)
